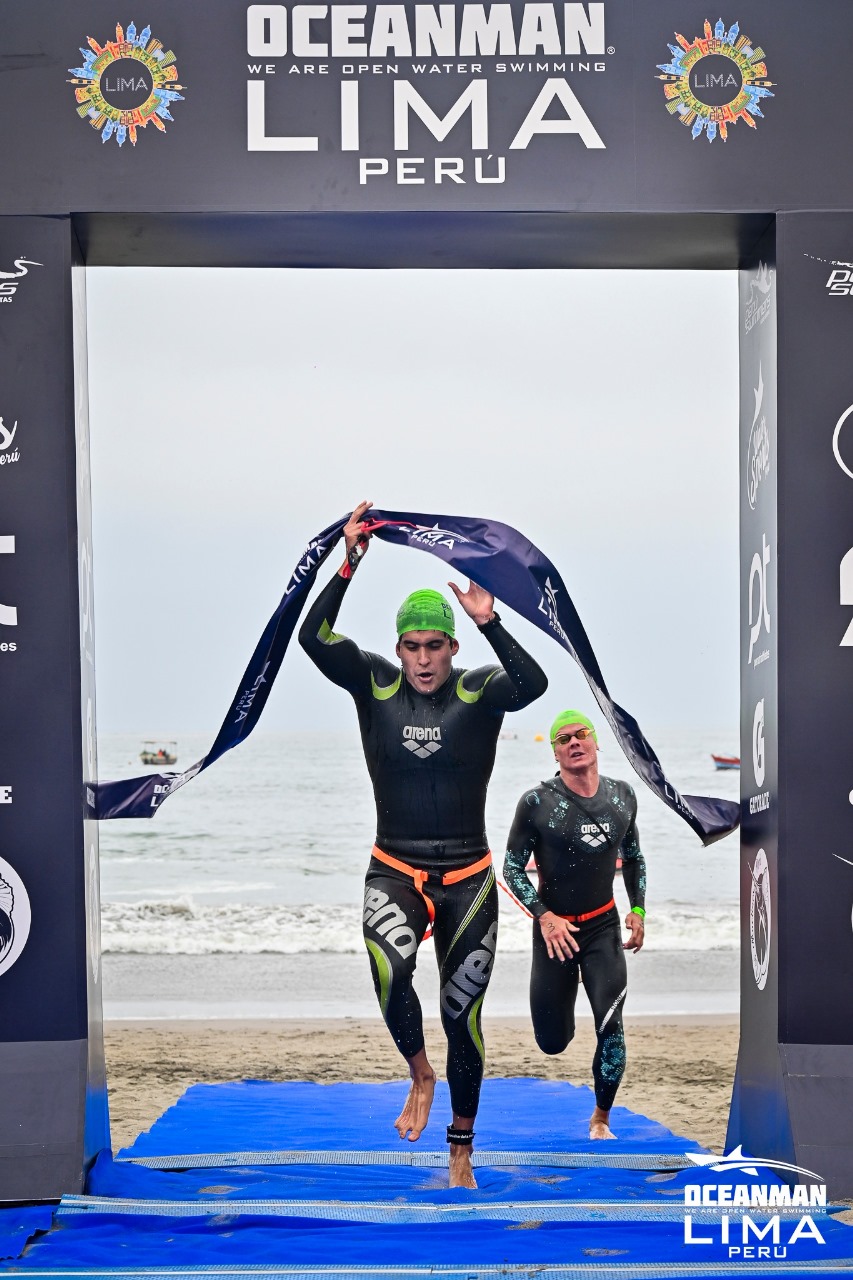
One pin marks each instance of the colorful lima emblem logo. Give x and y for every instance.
(126, 84)
(717, 80)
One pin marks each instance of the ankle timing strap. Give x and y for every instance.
(460, 1137)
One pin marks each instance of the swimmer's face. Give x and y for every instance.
(576, 753)
(426, 657)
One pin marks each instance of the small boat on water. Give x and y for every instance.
(726, 762)
(159, 751)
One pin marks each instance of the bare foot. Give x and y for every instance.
(599, 1124)
(461, 1169)
(412, 1120)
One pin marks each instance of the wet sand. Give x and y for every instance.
(680, 1069)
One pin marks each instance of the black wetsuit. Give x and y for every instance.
(429, 757)
(575, 841)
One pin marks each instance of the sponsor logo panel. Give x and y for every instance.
(715, 80)
(760, 303)
(123, 85)
(760, 919)
(8, 455)
(842, 444)
(846, 860)
(758, 445)
(8, 612)
(93, 912)
(839, 280)
(10, 280)
(87, 603)
(759, 803)
(846, 593)
(554, 46)
(759, 608)
(15, 916)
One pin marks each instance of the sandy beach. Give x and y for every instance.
(679, 1071)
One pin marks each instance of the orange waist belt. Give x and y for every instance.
(421, 877)
(588, 915)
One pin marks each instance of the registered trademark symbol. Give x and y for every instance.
(610, 49)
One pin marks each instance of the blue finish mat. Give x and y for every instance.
(370, 1219)
(541, 1115)
(19, 1223)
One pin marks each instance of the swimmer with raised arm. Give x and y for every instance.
(429, 732)
(575, 825)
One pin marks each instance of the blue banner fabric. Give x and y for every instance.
(499, 559)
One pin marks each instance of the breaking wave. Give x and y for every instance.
(183, 927)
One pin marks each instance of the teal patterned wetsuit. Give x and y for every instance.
(430, 757)
(575, 841)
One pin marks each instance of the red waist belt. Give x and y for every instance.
(588, 915)
(421, 877)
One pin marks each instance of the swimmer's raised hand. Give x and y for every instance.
(478, 603)
(354, 529)
(356, 538)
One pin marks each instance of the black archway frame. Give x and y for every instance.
(795, 1065)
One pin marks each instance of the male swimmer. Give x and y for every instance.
(575, 825)
(429, 732)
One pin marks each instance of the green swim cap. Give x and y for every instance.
(425, 610)
(571, 717)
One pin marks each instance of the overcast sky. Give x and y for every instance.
(236, 413)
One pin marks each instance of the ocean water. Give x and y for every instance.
(264, 854)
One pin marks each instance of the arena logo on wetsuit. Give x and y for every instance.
(469, 980)
(422, 742)
(594, 833)
(503, 562)
(389, 920)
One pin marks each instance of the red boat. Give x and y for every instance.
(726, 762)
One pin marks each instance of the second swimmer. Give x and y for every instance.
(575, 825)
